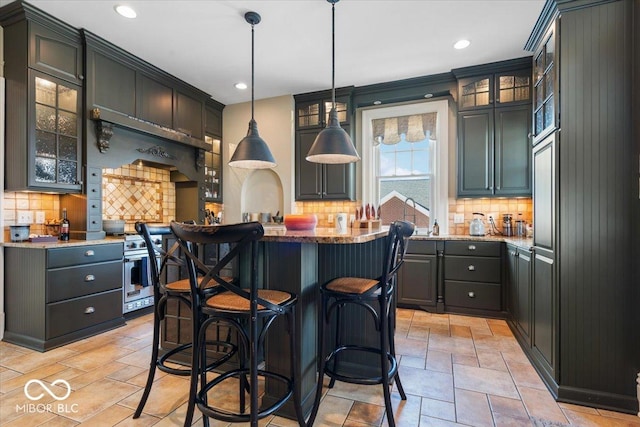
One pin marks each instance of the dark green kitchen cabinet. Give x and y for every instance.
(43, 58)
(154, 101)
(314, 181)
(418, 276)
(494, 124)
(518, 282)
(213, 155)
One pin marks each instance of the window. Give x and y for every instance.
(404, 162)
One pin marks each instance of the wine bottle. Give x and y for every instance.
(64, 226)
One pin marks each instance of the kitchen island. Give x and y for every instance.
(299, 261)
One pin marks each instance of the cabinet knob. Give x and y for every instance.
(89, 278)
(89, 253)
(472, 294)
(81, 77)
(89, 310)
(472, 247)
(512, 253)
(471, 268)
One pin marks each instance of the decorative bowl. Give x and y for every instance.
(300, 221)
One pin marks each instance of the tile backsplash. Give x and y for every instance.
(34, 202)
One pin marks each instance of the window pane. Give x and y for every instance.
(403, 163)
(45, 118)
(506, 95)
(45, 169)
(421, 163)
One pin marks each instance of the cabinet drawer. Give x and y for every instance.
(89, 254)
(467, 247)
(71, 282)
(421, 247)
(484, 296)
(79, 313)
(473, 269)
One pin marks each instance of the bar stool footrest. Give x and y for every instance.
(332, 366)
(229, 416)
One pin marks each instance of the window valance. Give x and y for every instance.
(415, 128)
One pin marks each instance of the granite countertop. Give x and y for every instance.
(60, 244)
(321, 235)
(524, 242)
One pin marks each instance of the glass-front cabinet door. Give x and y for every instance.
(513, 87)
(476, 92)
(316, 113)
(213, 170)
(544, 85)
(57, 133)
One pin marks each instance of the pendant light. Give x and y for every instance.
(252, 152)
(333, 144)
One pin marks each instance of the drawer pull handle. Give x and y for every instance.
(472, 294)
(472, 268)
(89, 278)
(89, 253)
(89, 310)
(472, 247)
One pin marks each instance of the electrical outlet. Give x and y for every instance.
(24, 217)
(39, 217)
(492, 215)
(458, 218)
(330, 218)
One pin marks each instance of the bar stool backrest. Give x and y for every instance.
(241, 237)
(398, 240)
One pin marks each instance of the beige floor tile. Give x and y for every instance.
(483, 380)
(540, 404)
(460, 331)
(438, 409)
(626, 417)
(59, 421)
(506, 406)
(419, 332)
(97, 397)
(43, 373)
(167, 393)
(515, 355)
(97, 358)
(491, 360)
(411, 347)
(463, 359)
(109, 417)
(127, 372)
(583, 419)
(15, 405)
(499, 327)
(28, 420)
(139, 358)
(439, 361)
(27, 362)
(414, 362)
(366, 413)
(577, 408)
(426, 383)
(496, 343)
(361, 393)
(472, 408)
(525, 375)
(406, 413)
(333, 411)
(436, 422)
(454, 345)
(502, 420)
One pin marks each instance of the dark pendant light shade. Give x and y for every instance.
(333, 144)
(252, 151)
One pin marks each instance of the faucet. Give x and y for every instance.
(404, 210)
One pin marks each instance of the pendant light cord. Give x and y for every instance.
(333, 55)
(252, 72)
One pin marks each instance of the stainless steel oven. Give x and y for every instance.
(138, 281)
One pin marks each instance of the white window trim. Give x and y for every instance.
(441, 168)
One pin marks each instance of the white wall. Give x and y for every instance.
(276, 126)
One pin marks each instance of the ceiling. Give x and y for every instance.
(208, 43)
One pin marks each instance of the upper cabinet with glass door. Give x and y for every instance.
(493, 90)
(313, 112)
(544, 70)
(213, 170)
(43, 71)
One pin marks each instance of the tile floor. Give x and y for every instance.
(456, 370)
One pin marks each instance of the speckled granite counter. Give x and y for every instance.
(60, 244)
(321, 235)
(518, 241)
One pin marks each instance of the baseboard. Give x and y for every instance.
(598, 399)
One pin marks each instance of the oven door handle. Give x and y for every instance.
(135, 259)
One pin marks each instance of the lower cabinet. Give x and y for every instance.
(417, 278)
(518, 282)
(473, 277)
(55, 295)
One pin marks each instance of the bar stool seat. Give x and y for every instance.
(375, 296)
(244, 308)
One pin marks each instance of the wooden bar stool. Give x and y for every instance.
(248, 310)
(163, 291)
(376, 297)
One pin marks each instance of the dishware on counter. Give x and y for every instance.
(300, 221)
(507, 225)
(277, 218)
(254, 216)
(476, 228)
(19, 233)
(342, 226)
(265, 217)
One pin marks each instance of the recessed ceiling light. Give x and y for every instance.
(377, 102)
(241, 86)
(461, 44)
(428, 95)
(126, 11)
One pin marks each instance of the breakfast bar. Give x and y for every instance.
(299, 261)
